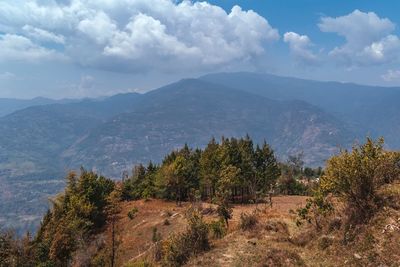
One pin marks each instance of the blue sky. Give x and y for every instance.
(82, 48)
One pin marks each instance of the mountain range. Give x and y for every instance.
(42, 139)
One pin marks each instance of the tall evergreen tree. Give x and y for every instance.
(210, 165)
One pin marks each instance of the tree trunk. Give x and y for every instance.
(113, 243)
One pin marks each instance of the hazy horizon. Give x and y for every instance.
(175, 81)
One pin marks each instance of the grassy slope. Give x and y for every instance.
(274, 242)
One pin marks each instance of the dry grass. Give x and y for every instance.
(274, 241)
(136, 234)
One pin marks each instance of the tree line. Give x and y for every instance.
(185, 174)
(250, 171)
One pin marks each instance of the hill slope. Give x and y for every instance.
(32, 140)
(191, 111)
(367, 110)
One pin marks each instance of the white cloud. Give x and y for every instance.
(300, 47)
(145, 34)
(16, 47)
(134, 35)
(384, 50)
(43, 35)
(100, 27)
(391, 76)
(368, 38)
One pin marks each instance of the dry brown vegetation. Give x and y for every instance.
(136, 234)
(274, 241)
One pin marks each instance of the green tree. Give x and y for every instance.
(267, 168)
(356, 175)
(75, 214)
(229, 179)
(113, 211)
(247, 181)
(209, 168)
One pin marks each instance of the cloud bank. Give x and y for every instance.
(133, 35)
(369, 39)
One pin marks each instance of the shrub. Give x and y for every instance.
(167, 222)
(335, 224)
(198, 232)
(178, 248)
(217, 229)
(288, 184)
(316, 210)
(174, 251)
(224, 211)
(248, 221)
(156, 235)
(303, 238)
(277, 227)
(355, 177)
(325, 242)
(132, 213)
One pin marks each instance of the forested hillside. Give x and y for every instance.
(365, 110)
(353, 204)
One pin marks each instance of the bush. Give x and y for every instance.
(132, 213)
(178, 248)
(316, 210)
(174, 251)
(217, 229)
(248, 221)
(169, 213)
(288, 184)
(156, 235)
(225, 212)
(335, 224)
(355, 177)
(325, 242)
(167, 222)
(303, 238)
(277, 227)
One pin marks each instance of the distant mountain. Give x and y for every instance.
(9, 105)
(35, 137)
(366, 110)
(31, 144)
(191, 111)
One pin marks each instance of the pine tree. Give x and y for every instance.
(209, 168)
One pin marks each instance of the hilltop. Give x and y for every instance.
(234, 204)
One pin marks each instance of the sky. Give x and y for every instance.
(86, 48)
